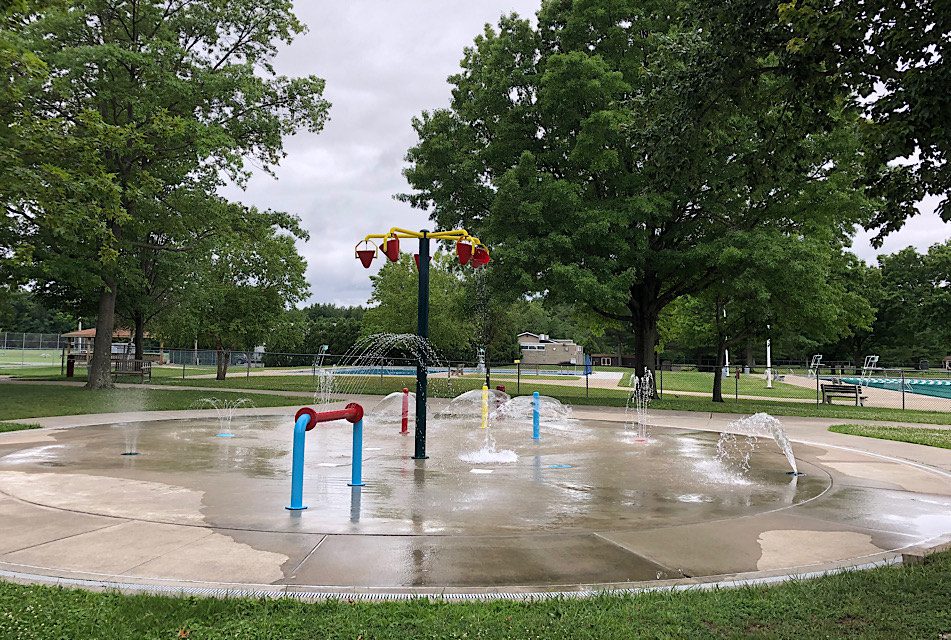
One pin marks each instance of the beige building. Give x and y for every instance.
(541, 349)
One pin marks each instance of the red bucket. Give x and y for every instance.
(480, 257)
(391, 248)
(416, 260)
(366, 257)
(464, 251)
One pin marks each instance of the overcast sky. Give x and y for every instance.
(384, 62)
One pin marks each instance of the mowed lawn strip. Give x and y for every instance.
(702, 382)
(7, 427)
(441, 387)
(883, 603)
(41, 400)
(916, 435)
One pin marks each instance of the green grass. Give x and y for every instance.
(800, 409)
(31, 371)
(37, 400)
(29, 356)
(439, 387)
(884, 603)
(53, 373)
(916, 435)
(6, 427)
(702, 381)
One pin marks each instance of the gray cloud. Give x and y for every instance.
(384, 62)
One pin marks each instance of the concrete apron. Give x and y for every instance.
(584, 510)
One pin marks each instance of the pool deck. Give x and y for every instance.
(73, 512)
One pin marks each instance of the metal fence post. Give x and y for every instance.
(817, 389)
(902, 389)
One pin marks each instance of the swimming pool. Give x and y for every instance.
(922, 386)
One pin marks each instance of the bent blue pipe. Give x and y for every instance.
(297, 468)
(356, 472)
(536, 411)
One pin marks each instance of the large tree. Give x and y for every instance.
(244, 289)
(611, 154)
(151, 106)
(779, 287)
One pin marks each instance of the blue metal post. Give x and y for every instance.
(356, 474)
(297, 468)
(536, 410)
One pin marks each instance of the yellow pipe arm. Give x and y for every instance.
(455, 234)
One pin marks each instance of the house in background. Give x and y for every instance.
(612, 360)
(539, 348)
(81, 343)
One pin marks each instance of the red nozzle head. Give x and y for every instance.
(308, 412)
(355, 413)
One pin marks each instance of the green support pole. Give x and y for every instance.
(422, 330)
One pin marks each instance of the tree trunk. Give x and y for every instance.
(222, 357)
(139, 336)
(750, 358)
(645, 312)
(100, 367)
(718, 372)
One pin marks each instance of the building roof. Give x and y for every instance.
(545, 338)
(91, 333)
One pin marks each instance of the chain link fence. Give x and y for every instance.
(906, 388)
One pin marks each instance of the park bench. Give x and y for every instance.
(837, 390)
(128, 367)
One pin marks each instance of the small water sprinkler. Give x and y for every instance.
(129, 453)
(480, 257)
(391, 248)
(536, 415)
(404, 417)
(464, 252)
(366, 254)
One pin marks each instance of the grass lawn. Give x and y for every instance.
(53, 373)
(886, 603)
(439, 387)
(799, 409)
(750, 384)
(916, 435)
(38, 400)
(6, 427)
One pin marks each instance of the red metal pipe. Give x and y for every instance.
(405, 420)
(352, 413)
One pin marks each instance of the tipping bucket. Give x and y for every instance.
(464, 252)
(366, 257)
(391, 247)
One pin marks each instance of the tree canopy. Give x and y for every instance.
(149, 108)
(613, 153)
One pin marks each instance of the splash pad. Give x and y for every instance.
(582, 506)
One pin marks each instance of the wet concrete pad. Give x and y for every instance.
(110, 550)
(24, 525)
(460, 561)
